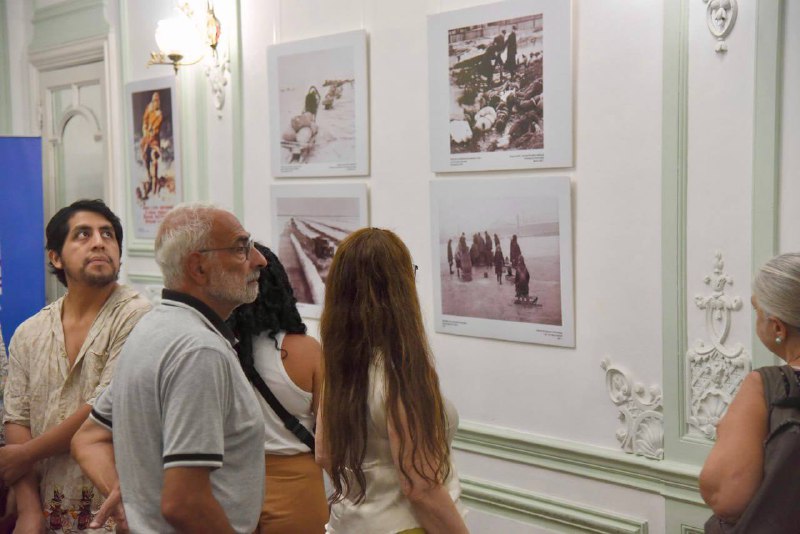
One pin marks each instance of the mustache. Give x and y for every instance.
(253, 277)
(98, 257)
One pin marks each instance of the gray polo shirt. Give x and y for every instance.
(180, 399)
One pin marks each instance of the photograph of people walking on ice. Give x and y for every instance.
(502, 252)
(319, 111)
(496, 77)
(308, 223)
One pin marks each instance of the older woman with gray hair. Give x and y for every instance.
(751, 478)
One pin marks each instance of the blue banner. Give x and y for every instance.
(22, 277)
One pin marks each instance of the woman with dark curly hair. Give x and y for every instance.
(273, 343)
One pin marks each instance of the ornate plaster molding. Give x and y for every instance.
(715, 368)
(720, 18)
(218, 73)
(641, 413)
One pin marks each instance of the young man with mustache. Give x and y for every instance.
(59, 361)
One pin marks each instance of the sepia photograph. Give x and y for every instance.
(318, 95)
(493, 71)
(496, 86)
(308, 223)
(503, 252)
(155, 182)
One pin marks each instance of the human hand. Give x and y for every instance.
(112, 508)
(30, 523)
(14, 463)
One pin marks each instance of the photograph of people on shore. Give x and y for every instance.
(308, 223)
(492, 67)
(318, 97)
(503, 252)
(155, 164)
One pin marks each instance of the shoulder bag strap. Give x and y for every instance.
(289, 421)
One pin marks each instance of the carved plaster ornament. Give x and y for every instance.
(715, 369)
(218, 73)
(720, 18)
(640, 412)
(218, 69)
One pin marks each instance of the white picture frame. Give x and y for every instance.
(308, 223)
(155, 180)
(327, 76)
(487, 111)
(537, 211)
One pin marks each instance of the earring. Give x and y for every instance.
(778, 340)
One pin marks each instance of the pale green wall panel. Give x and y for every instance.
(672, 480)
(766, 145)
(683, 518)
(673, 238)
(237, 97)
(5, 83)
(74, 20)
(556, 515)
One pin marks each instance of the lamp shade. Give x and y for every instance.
(178, 36)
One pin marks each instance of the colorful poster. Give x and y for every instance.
(155, 178)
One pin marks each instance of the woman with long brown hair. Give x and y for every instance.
(383, 429)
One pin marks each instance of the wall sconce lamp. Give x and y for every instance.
(187, 39)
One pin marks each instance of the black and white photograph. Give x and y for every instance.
(308, 223)
(503, 259)
(494, 72)
(318, 96)
(497, 85)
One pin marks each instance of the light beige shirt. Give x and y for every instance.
(42, 391)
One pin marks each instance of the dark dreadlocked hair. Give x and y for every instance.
(274, 310)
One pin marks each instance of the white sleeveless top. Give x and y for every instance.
(385, 509)
(269, 364)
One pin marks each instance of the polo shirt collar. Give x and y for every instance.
(204, 309)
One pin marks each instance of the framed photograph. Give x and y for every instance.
(504, 251)
(308, 223)
(318, 102)
(501, 86)
(155, 183)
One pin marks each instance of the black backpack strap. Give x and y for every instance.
(289, 421)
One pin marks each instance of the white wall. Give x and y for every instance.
(617, 213)
(20, 30)
(617, 183)
(720, 163)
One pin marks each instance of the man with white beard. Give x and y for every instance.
(180, 418)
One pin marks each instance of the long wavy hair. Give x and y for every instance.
(273, 311)
(372, 311)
